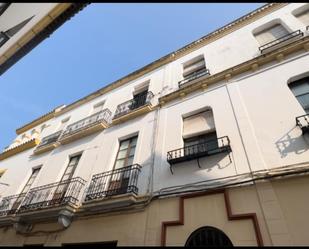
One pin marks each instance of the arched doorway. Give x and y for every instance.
(208, 236)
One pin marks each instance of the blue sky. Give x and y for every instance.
(99, 45)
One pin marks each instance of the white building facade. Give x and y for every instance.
(205, 146)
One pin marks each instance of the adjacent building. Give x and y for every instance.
(24, 25)
(206, 146)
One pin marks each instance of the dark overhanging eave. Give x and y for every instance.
(45, 33)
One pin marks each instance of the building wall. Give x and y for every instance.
(256, 110)
(144, 227)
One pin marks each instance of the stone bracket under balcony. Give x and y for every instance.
(110, 203)
(133, 108)
(135, 113)
(19, 148)
(87, 126)
(44, 215)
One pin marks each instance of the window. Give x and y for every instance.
(62, 188)
(63, 123)
(69, 171)
(98, 107)
(303, 16)
(194, 66)
(270, 34)
(126, 152)
(26, 188)
(199, 132)
(140, 96)
(300, 89)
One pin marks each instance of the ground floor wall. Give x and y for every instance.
(273, 212)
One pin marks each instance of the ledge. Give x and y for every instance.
(108, 203)
(45, 148)
(15, 150)
(83, 133)
(133, 114)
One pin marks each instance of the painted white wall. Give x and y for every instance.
(255, 110)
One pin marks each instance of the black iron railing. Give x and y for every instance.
(133, 104)
(114, 182)
(303, 123)
(102, 116)
(10, 204)
(193, 76)
(284, 38)
(50, 139)
(67, 192)
(211, 147)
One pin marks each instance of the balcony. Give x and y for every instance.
(48, 143)
(8, 207)
(113, 188)
(303, 123)
(19, 148)
(196, 151)
(192, 78)
(286, 39)
(92, 124)
(67, 192)
(133, 108)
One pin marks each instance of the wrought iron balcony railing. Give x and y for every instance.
(10, 204)
(67, 192)
(193, 76)
(303, 123)
(211, 147)
(103, 116)
(114, 182)
(50, 139)
(282, 39)
(133, 104)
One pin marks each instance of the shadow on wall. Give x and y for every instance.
(207, 164)
(292, 142)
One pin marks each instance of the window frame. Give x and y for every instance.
(127, 153)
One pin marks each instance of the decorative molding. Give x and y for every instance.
(22, 147)
(231, 216)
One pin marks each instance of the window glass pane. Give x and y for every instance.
(133, 141)
(132, 151)
(124, 144)
(122, 154)
(69, 169)
(278, 31)
(299, 89)
(130, 161)
(119, 163)
(65, 177)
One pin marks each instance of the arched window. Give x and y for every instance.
(208, 236)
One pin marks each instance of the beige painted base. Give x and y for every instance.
(143, 227)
